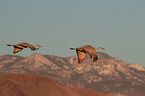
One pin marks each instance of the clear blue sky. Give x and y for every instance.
(57, 25)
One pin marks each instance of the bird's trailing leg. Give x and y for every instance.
(73, 48)
(9, 45)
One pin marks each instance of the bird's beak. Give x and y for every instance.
(40, 46)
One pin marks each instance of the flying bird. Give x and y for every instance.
(19, 47)
(81, 52)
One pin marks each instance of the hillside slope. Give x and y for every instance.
(36, 85)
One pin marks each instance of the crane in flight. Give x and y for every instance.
(81, 52)
(19, 47)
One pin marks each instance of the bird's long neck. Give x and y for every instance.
(98, 48)
(73, 48)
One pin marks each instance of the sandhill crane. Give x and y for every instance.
(81, 52)
(20, 46)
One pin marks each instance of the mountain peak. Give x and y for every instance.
(35, 62)
(138, 67)
(36, 55)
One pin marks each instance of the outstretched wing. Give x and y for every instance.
(95, 57)
(81, 55)
(16, 50)
(28, 45)
(91, 51)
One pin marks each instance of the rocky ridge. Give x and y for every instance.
(108, 74)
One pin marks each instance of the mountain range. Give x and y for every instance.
(107, 75)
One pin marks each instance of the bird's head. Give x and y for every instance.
(37, 46)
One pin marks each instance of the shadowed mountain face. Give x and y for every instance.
(108, 74)
(36, 85)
